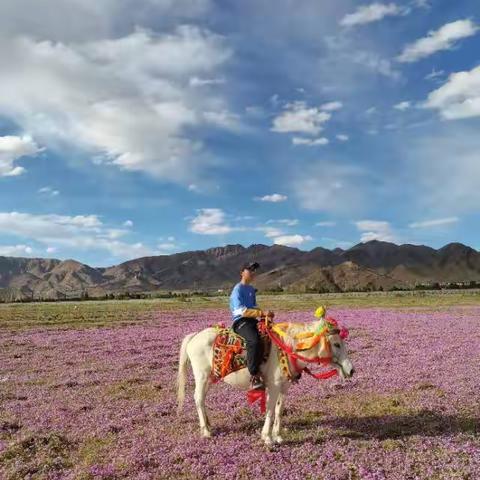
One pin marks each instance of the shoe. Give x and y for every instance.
(256, 383)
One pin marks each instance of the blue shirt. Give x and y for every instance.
(241, 298)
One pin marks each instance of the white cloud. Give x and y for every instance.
(13, 148)
(298, 117)
(342, 137)
(330, 187)
(223, 119)
(85, 232)
(442, 39)
(402, 106)
(375, 230)
(289, 222)
(434, 223)
(48, 191)
(274, 198)
(325, 224)
(310, 142)
(128, 223)
(422, 3)
(292, 240)
(444, 169)
(15, 251)
(166, 248)
(370, 13)
(458, 97)
(434, 74)
(125, 100)
(375, 63)
(255, 111)
(271, 232)
(76, 21)
(331, 106)
(201, 82)
(211, 221)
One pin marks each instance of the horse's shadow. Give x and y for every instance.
(382, 427)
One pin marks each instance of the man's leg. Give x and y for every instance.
(247, 328)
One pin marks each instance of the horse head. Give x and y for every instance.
(327, 341)
(339, 355)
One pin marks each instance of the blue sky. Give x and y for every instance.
(155, 126)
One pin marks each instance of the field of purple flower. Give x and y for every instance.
(99, 403)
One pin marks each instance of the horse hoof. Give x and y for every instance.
(206, 434)
(268, 441)
(278, 439)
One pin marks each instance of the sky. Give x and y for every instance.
(147, 127)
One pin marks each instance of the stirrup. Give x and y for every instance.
(256, 383)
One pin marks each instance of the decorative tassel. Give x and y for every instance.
(254, 395)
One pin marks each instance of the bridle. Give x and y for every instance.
(308, 340)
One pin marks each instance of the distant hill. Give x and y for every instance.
(373, 265)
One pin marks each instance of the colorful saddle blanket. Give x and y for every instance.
(229, 352)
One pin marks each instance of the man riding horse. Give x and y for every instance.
(215, 353)
(245, 314)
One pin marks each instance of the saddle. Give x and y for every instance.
(229, 351)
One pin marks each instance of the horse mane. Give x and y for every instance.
(295, 328)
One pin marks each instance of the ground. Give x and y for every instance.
(87, 392)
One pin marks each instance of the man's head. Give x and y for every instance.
(247, 271)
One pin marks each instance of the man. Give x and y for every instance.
(245, 312)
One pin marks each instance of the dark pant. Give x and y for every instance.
(247, 328)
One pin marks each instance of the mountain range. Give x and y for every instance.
(373, 265)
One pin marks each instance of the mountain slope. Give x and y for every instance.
(372, 265)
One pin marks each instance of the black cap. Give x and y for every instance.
(250, 266)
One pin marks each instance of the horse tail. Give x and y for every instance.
(182, 372)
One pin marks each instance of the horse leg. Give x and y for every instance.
(273, 393)
(201, 387)
(277, 424)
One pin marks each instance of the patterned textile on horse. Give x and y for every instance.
(229, 352)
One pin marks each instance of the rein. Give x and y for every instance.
(275, 332)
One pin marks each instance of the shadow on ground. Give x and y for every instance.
(382, 427)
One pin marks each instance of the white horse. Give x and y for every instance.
(198, 348)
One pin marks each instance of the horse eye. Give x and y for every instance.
(336, 345)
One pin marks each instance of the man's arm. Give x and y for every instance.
(269, 313)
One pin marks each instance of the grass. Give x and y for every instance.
(37, 456)
(64, 315)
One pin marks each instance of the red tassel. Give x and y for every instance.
(254, 395)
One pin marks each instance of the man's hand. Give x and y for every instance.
(270, 314)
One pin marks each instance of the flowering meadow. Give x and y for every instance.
(99, 403)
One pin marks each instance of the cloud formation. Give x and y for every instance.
(330, 187)
(310, 142)
(300, 118)
(15, 250)
(273, 198)
(402, 106)
(12, 148)
(375, 230)
(126, 100)
(292, 240)
(442, 39)
(458, 97)
(434, 223)
(82, 232)
(370, 13)
(211, 221)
